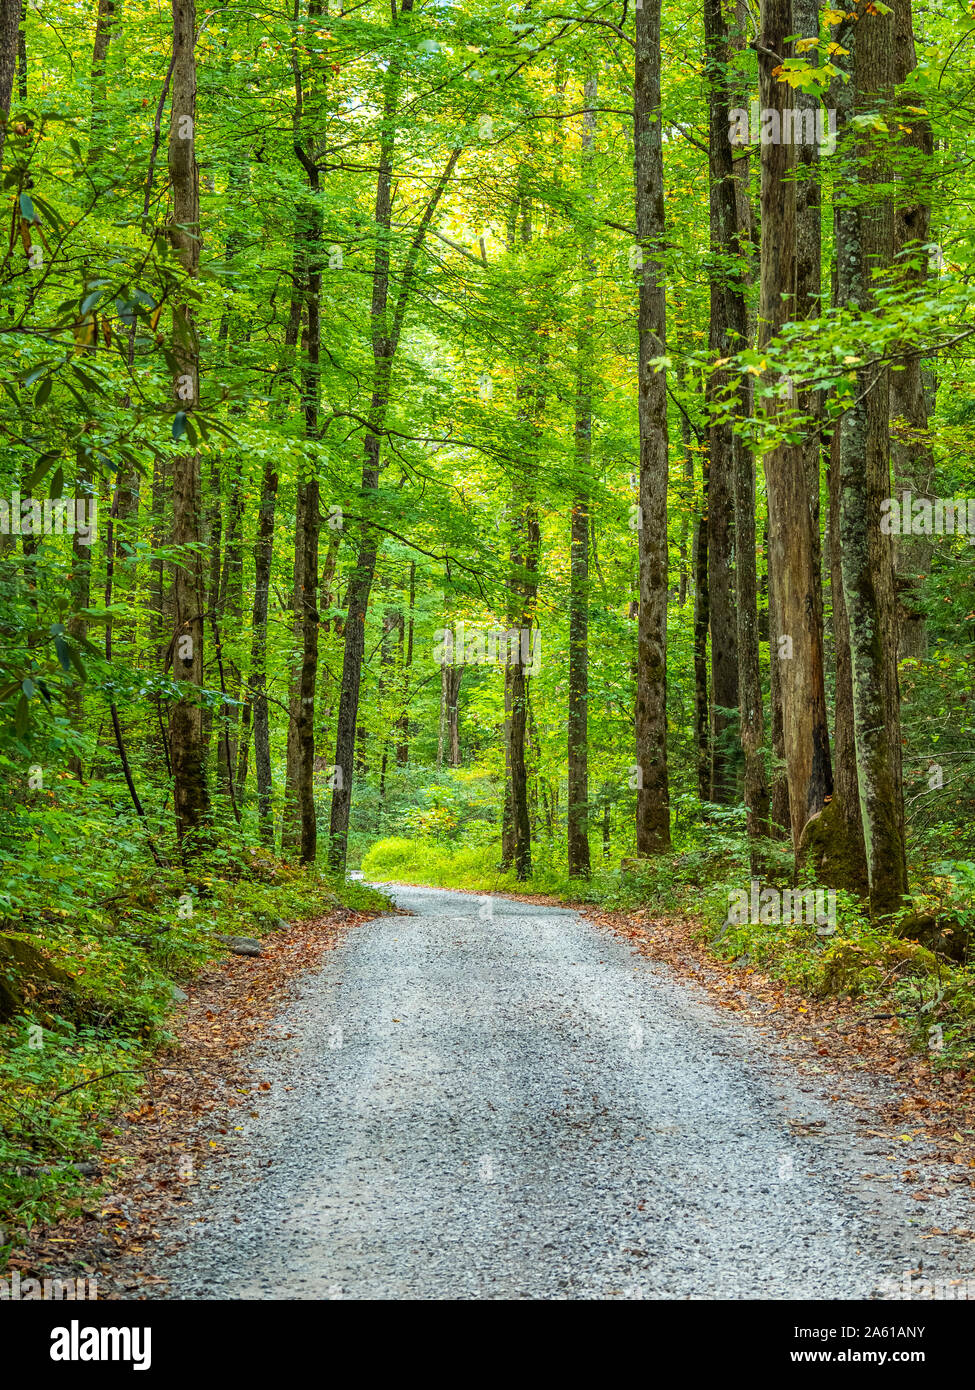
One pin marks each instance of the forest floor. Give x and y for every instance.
(520, 1101)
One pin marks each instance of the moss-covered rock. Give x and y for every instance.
(943, 933)
(910, 959)
(28, 979)
(848, 969)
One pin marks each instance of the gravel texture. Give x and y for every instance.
(492, 1099)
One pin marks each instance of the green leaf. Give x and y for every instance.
(43, 464)
(22, 716)
(179, 424)
(89, 381)
(27, 208)
(44, 390)
(75, 659)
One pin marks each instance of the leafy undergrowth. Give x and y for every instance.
(95, 961)
(930, 995)
(199, 1090)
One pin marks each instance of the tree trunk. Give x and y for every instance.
(523, 588)
(653, 793)
(912, 457)
(213, 531)
(263, 549)
(725, 237)
(832, 842)
(453, 714)
(731, 210)
(263, 556)
(864, 241)
(230, 606)
(702, 609)
(578, 726)
(190, 792)
(9, 33)
(403, 724)
(299, 829)
(792, 477)
(105, 26)
(392, 641)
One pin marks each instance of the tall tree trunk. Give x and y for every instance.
(734, 232)
(864, 242)
(299, 823)
(392, 642)
(213, 531)
(792, 477)
(453, 715)
(578, 728)
(832, 842)
(105, 26)
(507, 810)
(723, 622)
(523, 590)
(702, 613)
(190, 793)
(263, 557)
(9, 33)
(299, 832)
(263, 551)
(912, 457)
(445, 669)
(403, 724)
(230, 607)
(22, 54)
(725, 237)
(653, 792)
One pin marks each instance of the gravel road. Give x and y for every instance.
(491, 1099)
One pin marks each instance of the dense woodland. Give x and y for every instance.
(512, 443)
